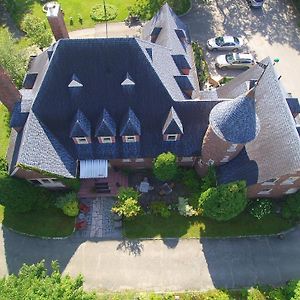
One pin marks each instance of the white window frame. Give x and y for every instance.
(290, 180)
(82, 140)
(139, 160)
(130, 138)
(210, 162)
(265, 192)
(232, 148)
(172, 137)
(106, 139)
(48, 182)
(225, 159)
(126, 160)
(291, 191)
(269, 182)
(187, 159)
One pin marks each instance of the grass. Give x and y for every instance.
(4, 130)
(50, 222)
(149, 226)
(71, 9)
(1, 213)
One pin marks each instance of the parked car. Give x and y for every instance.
(225, 43)
(256, 3)
(235, 61)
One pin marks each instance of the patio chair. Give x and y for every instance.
(84, 208)
(80, 225)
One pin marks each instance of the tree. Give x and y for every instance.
(68, 204)
(37, 31)
(224, 202)
(165, 166)
(12, 57)
(32, 282)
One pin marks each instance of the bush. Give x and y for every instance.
(98, 14)
(276, 294)
(165, 166)
(215, 295)
(255, 294)
(37, 31)
(127, 208)
(3, 165)
(68, 204)
(125, 193)
(201, 64)
(185, 209)
(224, 202)
(209, 180)
(260, 208)
(291, 207)
(292, 290)
(191, 180)
(160, 208)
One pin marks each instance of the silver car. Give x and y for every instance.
(256, 3)
(235, 61)
(225, 43)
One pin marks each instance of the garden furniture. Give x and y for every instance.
(166, 189)
(80, 225)
(84, 208)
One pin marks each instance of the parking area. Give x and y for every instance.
(271, 31)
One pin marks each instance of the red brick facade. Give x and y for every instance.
(58, 26)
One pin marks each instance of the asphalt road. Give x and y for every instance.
(271, 31)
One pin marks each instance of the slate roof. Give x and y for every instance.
(81, 126)
(276, 149)
(236, 121)
(106, 125)
(173, 124)
(293, 104)
(130, 124)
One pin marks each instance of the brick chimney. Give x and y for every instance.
(57, 23)
(9, 94)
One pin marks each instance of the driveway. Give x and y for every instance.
(271, 31)
(161, 265)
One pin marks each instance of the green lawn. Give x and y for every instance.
(4, 131)
(71, 8)
(1, 213)
(50, 222)
(149, 226)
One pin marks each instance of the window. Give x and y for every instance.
(106, 139)
(47, 182)
(271, 181)
(225, 159)
(211, 162)
(171, 137)
(130, 138)
(265, 192)
(82, 140)
(126, 160)
(139, 160)
(232, 148)
(187, 159)
(290, 180)
(291, 191)
(34, 181)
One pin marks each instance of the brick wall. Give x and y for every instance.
(58, 26)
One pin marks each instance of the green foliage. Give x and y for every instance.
(191, 180)
(3, 165)
(291, 207)
(185, 209)
(128, 208)
(255, 294)
(260, 208)
(292, 290)
(125, 193)
(201, 64)
(224, 202)
(276, 294)
(32, 282)
(12, 58)
(68, 204)
(165, 166)
(146, 9)
(37, 31)
(99, 14)
(209, 180)
(160, 208)
(21, 196)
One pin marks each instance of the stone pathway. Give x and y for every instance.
(100, 223)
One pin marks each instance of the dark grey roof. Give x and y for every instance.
(18, 117)
(106, 125)
(235, 120)
(130, 125)
(293, 104)
(29, 80)
(173, 124)
(81, 126)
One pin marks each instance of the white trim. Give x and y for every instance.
(225, 159)
(210, 162)
(126, 160)
(172, 137)
(187, 159)
(139, 160)
(290, 180)
(291, 191)
(265, 192)
(14, 171)
(82, 140)
(232, 148)
(130, 138)
(269, 182)
(106, 139)
(47, 182)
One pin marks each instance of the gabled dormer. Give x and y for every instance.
(128, 84)
(182, 64)
(185, 85)
(173, 128)
(106, 129)
(154, 34)
(81, 129)
(75, 85)
(130, 128)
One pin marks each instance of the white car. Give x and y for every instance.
(225, 43)
(256, 3)
(235, 61)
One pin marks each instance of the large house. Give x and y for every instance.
(89, 106)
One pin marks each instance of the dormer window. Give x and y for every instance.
(106, 139)
(172, 137)
(81, 140)
(130, 138)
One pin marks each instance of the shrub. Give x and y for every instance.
(291, 207)
(165, 166)
(37, 31)
(185, 209)
(276, 294)
(125, 193)
(127, 208)
(215, 295)
(160, 208)
(209, 180)
(255, 294)
(224, 202)
(69, 204)
(191, 180)
(260, 208)
(3, 165)
(201, 64)
(292, 290)
(98, 13)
